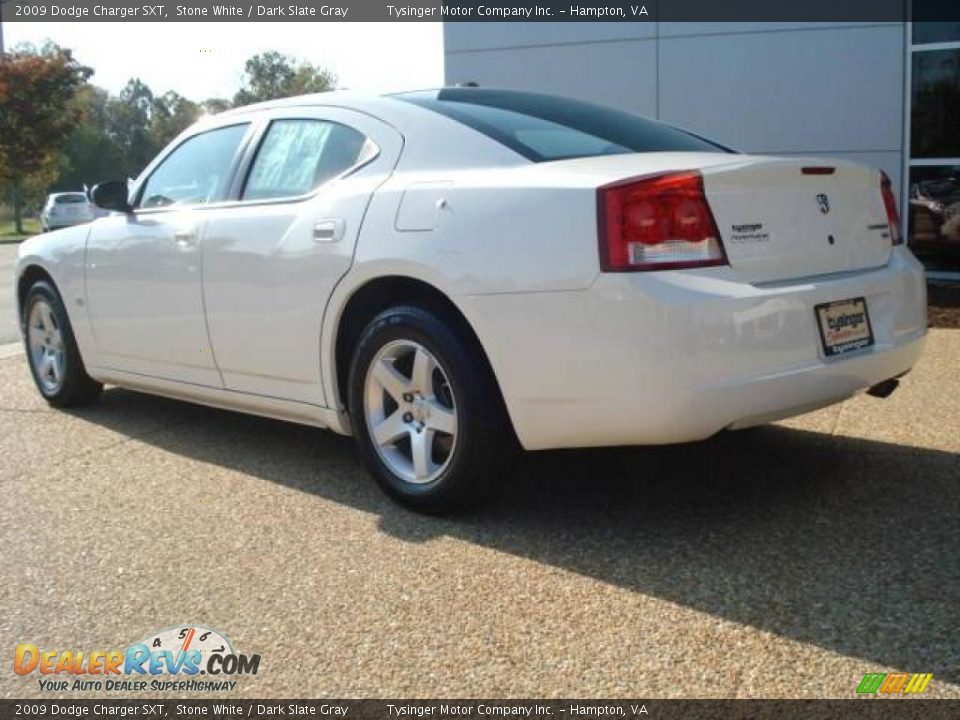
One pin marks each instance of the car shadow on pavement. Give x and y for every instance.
(848, 544)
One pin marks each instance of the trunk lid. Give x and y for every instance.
(772, 222)
(779, 222)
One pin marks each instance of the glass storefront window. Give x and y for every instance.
(932, 212)
(935, 32)
(934, 215)
(935, 112)
(935, 21)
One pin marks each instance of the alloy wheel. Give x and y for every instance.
(45, 341)
(410, 411)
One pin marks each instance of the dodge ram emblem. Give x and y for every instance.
(824, 203)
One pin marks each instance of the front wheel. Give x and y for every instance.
(52, 351)
(426, 412)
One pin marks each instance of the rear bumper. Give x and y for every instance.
(650, 358)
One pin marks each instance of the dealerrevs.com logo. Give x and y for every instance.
(183, 658)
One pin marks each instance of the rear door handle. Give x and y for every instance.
(185, 237)
(329, 230)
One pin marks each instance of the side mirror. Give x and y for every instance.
(111, 195)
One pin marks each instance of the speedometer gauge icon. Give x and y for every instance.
(184, 638)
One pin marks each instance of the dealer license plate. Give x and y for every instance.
(844, 326)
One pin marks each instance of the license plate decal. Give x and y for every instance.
(844, 326)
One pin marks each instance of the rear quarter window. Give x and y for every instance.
(545, 127)
(299, 155)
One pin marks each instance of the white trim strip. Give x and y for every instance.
(11, 350)
(933, 162)
(933, 47)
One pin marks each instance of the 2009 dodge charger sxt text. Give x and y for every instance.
(441, 272)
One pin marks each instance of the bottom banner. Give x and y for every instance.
(868, 709)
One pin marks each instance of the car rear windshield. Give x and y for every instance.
(63, 199)
(546, 127)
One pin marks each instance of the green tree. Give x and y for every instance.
(170, 115)
(91, 154)
(128, 123)
(37, 114)
(215, 105)
(273, 75)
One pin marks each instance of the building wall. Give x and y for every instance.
(785, 88)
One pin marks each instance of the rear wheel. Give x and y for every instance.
(52, 351)
(426, 414)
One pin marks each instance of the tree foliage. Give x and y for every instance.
(272, 75)
(91, 153)
(37, 114)
(129, 120)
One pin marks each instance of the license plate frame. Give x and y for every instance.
(849, 332)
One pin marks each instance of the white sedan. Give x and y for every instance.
(65, 209)
(445, 274)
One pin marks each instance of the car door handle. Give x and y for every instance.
(185, 237)
(329, 230)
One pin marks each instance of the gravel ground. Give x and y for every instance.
(785, 561)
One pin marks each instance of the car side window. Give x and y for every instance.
(196, 172)
(298, 156)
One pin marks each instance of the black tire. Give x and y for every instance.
(76, 387)
(483, 432)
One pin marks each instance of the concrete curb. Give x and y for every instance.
(11, 350)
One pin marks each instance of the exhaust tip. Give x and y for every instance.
(883, 389)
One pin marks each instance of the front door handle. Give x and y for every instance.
(185, 237)
(329, 230)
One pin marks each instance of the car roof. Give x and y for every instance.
(341, 98)
(423, 130)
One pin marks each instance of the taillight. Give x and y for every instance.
(890, 204)
(659, 222)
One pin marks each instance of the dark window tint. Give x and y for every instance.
(196, 172)
(70, 199)
(935, 21)
(935, 112)
(545, 127)
(935, 32)
(297, 156)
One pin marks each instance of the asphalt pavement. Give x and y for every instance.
(785, 561)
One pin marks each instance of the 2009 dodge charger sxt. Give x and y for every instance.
(440, 273)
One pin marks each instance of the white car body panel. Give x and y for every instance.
(677, 356)
(60, 254)
(269, 268)
(245, 315)
(145, 298)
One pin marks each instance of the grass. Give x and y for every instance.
(8, 233)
